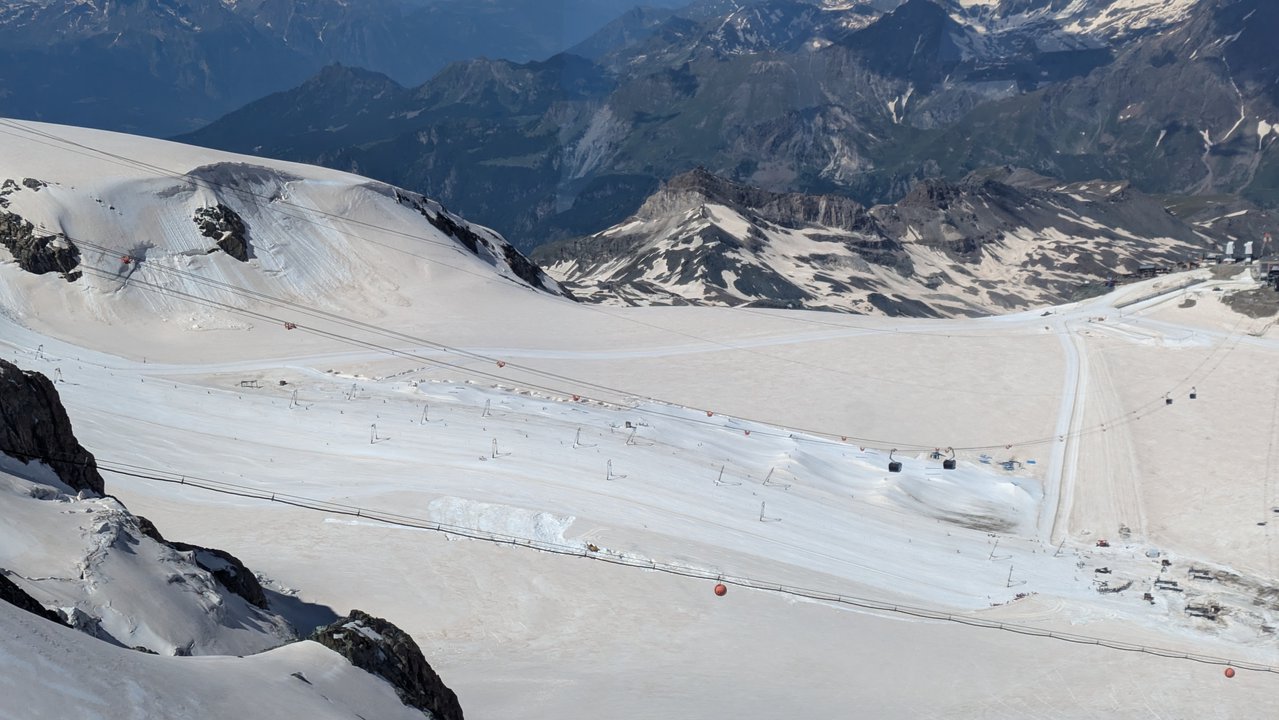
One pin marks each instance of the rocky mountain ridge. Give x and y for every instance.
(858, 99)
(998, 241)
(157, 67)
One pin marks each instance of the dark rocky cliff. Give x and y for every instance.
(35, 426)
(34, 252)
(15, 595)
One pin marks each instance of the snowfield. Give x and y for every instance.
(742, 443)
(51, 671)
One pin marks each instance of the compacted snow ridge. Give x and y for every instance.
(466, 400)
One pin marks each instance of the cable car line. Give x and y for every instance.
(818, 435)
(350, 322)
(647, 564)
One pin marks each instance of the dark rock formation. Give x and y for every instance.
(788, 209)
(228, 570)
(35, 426)
(14, 595)
(37, 253)
(525, 269)
(376, 646)
(222, 565)
(225, 227)
(9, 187)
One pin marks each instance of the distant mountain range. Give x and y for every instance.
(161, 67)
(860, 99)
(997, 241)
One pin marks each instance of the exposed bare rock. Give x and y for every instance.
(35, 426)
(38, 253)
(379, 647)
(15, 595)
(225, 227)
(224, 566)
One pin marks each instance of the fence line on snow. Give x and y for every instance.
(623, 559)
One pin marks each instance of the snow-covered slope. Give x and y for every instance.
(88, 558)
(70, 556)
(758, 449)
(47, 671)
(80, 206)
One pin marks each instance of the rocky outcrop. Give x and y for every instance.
(525, 269)
(36, 253)
(33, 252)
(225, 227)
(998, 239)
(14, 595)
(35, 426)
(699, 186)
(379, 647)
(222, 565)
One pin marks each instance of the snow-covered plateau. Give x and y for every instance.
(568, 482)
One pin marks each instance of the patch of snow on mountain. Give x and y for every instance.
(1114, 19)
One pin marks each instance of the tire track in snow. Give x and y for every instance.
(1059, 485)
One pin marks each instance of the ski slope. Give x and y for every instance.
(757, 448)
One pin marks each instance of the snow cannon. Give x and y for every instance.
(721, 589)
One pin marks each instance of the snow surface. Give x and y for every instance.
(49, 671)
(89, 555)
(509, 450)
